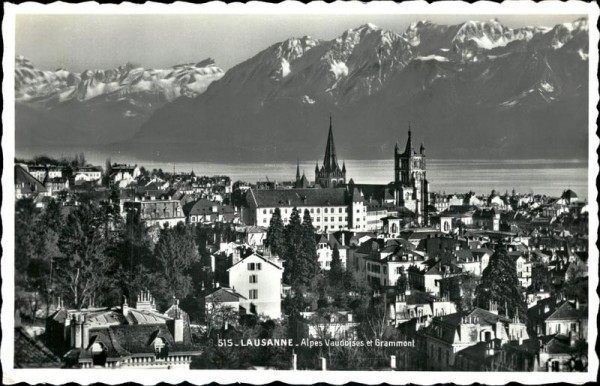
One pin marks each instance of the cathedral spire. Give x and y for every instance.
(409, 146)
(344, 167)
(298, 170)
(330, 161)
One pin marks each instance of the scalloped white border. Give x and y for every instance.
(57, 376)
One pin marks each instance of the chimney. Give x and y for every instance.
(125, 307)
(85, 335)
(76, 330)
(177, 324)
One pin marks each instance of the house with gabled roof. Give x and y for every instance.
(259, 280)
(449, 334)
(123, 337)
(26, 185)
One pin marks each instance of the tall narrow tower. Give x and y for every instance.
(330, 174)
(410, 179)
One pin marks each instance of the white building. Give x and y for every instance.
(330, 209)
(258, 280)
(325, 245)
(88, 174)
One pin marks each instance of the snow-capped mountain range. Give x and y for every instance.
(125, 96)
(472, 89)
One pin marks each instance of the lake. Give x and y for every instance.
(541, 176)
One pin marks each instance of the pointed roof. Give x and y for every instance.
(409, 150)
(298, 170)
(330, 161)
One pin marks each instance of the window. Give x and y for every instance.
(318, 219)
(264, 211)
(253, 294)
(339, 219)
(160, 348)
(253, 279)
(254, 266)
(318, 210)
(340, 210)
(312, 210)
(325, 219)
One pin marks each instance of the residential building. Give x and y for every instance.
(122, 174)
(325, 245)
(156, 212)
(259, 281)
(449, 334)
(27, 186)
(338, 325)
(204, 211)
(123, 337)
(85, 174)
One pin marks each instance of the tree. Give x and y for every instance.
(336, 270)
(293, 242)
(133, 252)
(499, 284)
(174, 255)
(276, 234)
(402, 282)
(309, 247)
(84, 271)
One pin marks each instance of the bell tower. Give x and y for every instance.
(410, 178)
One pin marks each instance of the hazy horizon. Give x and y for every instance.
(80, 42)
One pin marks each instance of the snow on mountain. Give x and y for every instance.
(187, 79)
(108, 104)
(466, 84)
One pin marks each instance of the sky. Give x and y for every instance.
(80, 42)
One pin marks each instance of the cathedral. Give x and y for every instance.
(330, 174)
(411, 188)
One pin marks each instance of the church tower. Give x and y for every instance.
(410, 179)
(330, 174)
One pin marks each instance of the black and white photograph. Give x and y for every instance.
(300, 192)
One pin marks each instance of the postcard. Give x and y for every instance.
(380, 192)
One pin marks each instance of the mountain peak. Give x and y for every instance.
(369, 26)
